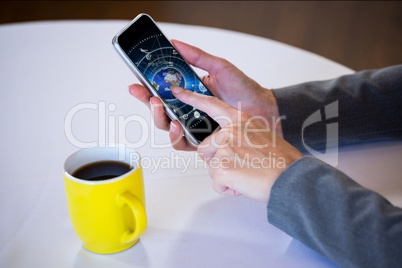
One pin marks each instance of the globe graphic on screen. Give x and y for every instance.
(165, 79)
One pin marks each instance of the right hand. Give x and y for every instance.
(225, 81)
(245, 157)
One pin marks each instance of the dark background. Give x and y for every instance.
(358, 34)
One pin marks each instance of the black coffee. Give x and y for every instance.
(101, 170)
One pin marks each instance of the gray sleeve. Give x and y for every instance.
(330, 213)
(366, 105)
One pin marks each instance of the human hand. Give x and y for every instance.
(226, 82)
(245, 157)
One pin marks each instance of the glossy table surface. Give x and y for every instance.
(62, 86)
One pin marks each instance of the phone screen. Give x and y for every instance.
(163, 67)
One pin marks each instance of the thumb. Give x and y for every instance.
(217, 109)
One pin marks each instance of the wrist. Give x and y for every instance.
(268, 108)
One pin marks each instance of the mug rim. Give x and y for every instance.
(81, 152)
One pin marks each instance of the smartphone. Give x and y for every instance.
(158, 66)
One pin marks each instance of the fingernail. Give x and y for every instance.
(173, 127)
(153, 100)
(177, 90)
(151, 103)
(130, 89)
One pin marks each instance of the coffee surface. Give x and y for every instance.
(101, 170)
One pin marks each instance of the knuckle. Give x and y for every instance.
(214, 100)
(221, 173)
(162, 124)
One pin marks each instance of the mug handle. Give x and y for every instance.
(140, 218)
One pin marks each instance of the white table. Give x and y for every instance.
(49, 68)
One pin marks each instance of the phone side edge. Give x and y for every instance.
(143, 81)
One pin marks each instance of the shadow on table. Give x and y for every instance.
(133, 257)
(299, 255)
(234, 232)
(225, 232)
(200, 251)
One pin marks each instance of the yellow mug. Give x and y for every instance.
(107, 210)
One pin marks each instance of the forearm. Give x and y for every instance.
(326, 210)
(368, 107)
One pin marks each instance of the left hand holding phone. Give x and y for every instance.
(225, 81)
